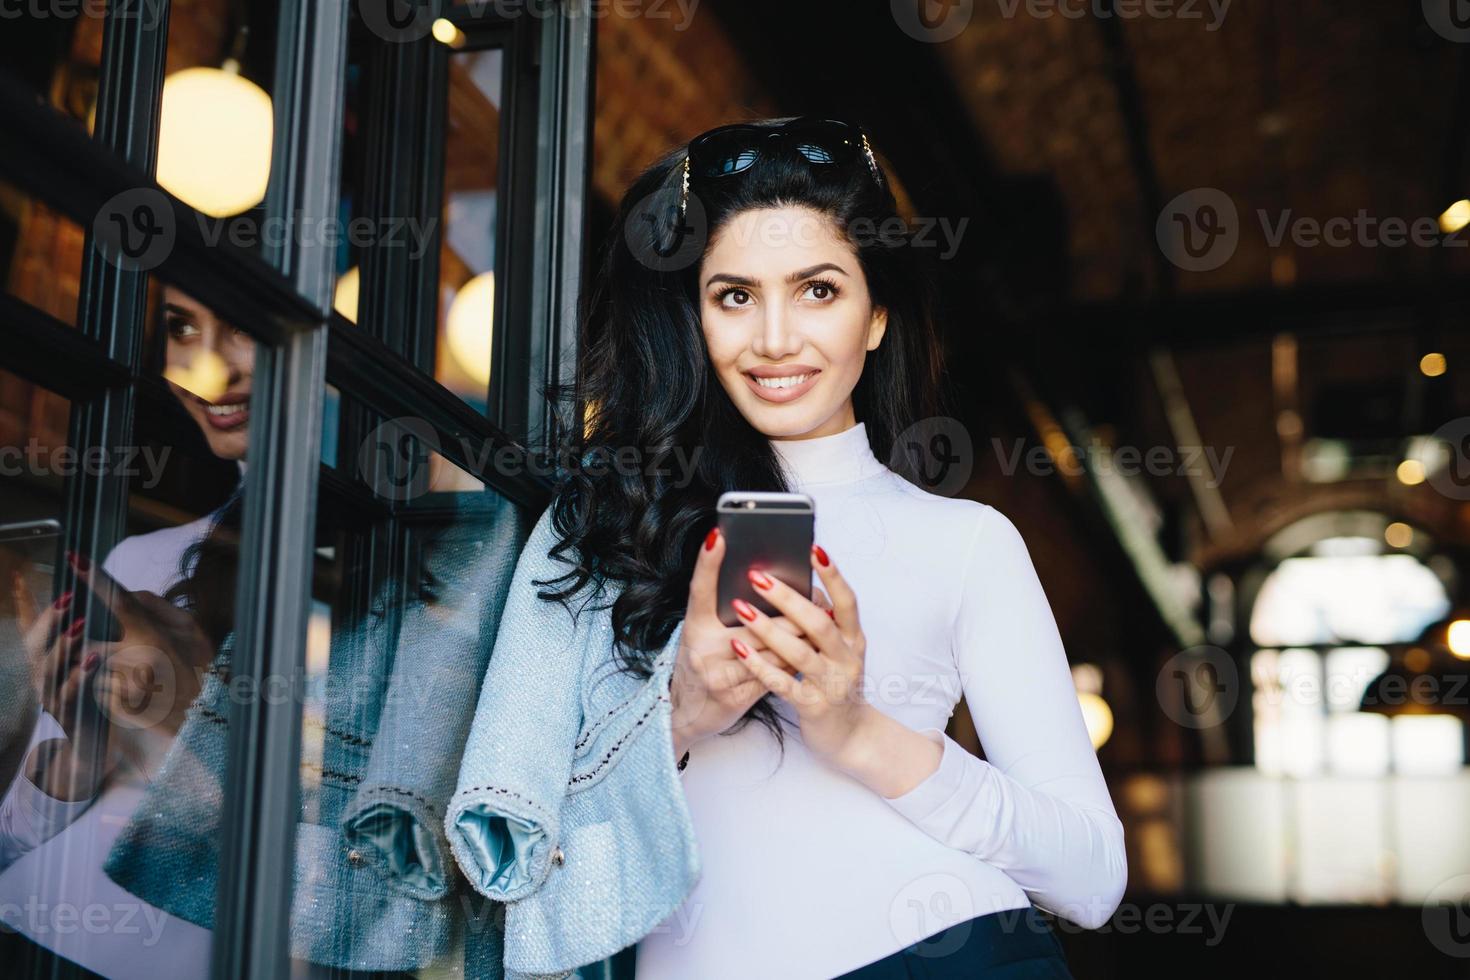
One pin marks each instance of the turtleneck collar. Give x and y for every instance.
(843, 457)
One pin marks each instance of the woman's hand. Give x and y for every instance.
(711, 689)
(828, 653)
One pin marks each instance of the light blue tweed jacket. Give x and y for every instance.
(569, 807)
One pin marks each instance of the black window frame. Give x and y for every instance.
(284, 297)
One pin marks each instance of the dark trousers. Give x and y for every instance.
(1015, 944)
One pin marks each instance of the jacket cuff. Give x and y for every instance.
(397, 831)
(502, 842)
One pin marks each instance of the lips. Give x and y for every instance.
(786, 393)
(229, 412)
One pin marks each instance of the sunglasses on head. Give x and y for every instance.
(731, 150)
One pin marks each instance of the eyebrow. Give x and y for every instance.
(795, 277)
(175, 308)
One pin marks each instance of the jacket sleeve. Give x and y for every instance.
(502, 822)
(1037, 808)
(28, 816)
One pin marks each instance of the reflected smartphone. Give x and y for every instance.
(36, 544)
(768, 531)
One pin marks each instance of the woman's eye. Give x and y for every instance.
(735, 298)
(182, 330)
(821, 291)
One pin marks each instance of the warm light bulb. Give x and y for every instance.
(1432, 365)
(1398, 535)
(1458, 638)
(1411, 472)
(446, 33)
(207, 375)
(214, 141)
(470, 317)
(1098, 716)
(1455, 217)
(344, 301)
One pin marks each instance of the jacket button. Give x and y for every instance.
(355, 856)
(558, 858)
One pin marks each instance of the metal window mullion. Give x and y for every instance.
(273, 596)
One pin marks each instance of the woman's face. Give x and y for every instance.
(783, 297)
(210, 365)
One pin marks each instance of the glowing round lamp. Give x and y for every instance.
(344, 300)
(1098, 716)
(469, 323)
(214, 140)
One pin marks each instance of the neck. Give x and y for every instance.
(843, 456)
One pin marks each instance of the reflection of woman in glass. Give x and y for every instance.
(171, 593)
(838, 827)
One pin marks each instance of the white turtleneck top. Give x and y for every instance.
(807, 873)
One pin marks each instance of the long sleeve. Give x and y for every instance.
(28, 816)
(1037, 808)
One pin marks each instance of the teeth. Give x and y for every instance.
(225, 410)
(790, 382)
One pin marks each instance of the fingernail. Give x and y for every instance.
(821, 555)
(63, 601)
(741, 649)
(711, 538)
(79, 562)
(75, 630)
(759, 579)
(831, 615)
(91, 662)
(743, 609)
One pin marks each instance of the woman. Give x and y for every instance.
(60, 817)
(821, 822)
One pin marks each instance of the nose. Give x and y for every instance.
(237, 350)
(778, 336)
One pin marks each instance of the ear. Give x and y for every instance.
(877, 327)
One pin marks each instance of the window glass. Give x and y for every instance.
(40, 255)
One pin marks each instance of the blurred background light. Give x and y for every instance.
(214, 140)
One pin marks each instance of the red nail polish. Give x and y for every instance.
(760, 579)
(821, 555)
(75, 630)
(63, 601)
(90, 664)
(79, 562)
(831, 615)
(711, 538)
(741, 649)
(743, 609)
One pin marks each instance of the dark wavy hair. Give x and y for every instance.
(644, 380)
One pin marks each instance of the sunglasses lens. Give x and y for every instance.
(732, 161)
(724, 152)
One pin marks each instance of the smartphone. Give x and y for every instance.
(36, 544)
(768, 531)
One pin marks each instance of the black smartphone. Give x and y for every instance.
(36, 544)
(768, 531)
